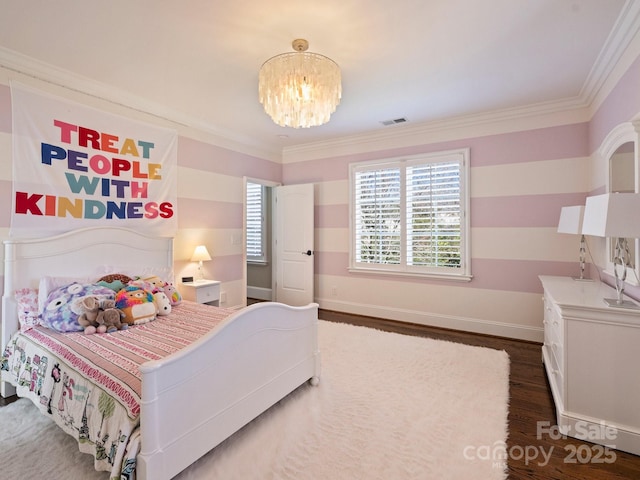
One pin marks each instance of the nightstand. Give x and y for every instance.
(202, 291)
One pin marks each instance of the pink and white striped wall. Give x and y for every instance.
(520, 179)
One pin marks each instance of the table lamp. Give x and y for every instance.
(200, 254)
(615, 215)
(571, 222)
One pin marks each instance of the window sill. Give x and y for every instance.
(457, 277)
(263, 263)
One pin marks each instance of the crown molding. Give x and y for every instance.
(611, 63)
(540, 115)
(65, 83)
(620, 49)
(616, 54)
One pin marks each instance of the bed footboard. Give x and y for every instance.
(195, 399)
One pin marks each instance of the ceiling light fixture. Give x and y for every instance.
(300, 89)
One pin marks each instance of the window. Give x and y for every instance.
(256, 233)
(410, 215)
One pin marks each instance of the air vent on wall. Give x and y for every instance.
(393, 122)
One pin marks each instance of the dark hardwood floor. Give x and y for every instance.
(530, 403)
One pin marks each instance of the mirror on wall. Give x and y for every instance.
(619, 151)
(622, 180)
(622, 168)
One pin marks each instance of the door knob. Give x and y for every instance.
(308, 252)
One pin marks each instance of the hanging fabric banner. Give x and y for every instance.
(75, 167)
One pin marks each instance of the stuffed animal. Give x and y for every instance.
(99, 315)
(114, 281)
(64, 306)
(163, 304)
(88, 319)
(172, 292)
(150, 283)
(111, 319)
(137, 304)
(156, 283)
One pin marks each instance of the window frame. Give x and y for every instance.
(256, 259)
(461, 273)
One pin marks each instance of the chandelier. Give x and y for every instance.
(299, 89)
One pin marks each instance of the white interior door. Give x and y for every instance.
(294, 244)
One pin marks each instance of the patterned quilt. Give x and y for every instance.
(90, 384)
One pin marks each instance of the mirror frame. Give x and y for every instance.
(621, 134)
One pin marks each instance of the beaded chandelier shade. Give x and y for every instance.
(300, 89)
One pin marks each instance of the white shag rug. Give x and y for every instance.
(388, 406)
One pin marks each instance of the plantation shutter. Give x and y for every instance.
(410, 215)
(378, 216)
(255, 222)
(433, 214)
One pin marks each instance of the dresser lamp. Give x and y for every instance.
(200, 254)
(615, 215)
(571, 222)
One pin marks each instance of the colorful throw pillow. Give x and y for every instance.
(27, 300)
(61, 311)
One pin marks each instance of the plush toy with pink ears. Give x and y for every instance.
(172, 293)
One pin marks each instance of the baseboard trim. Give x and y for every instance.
(473, 325)
(259, 293)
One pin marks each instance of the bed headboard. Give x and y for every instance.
(76, 253)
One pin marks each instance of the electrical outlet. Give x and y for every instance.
(223, 297)
(334, 291)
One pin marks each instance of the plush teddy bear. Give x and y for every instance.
(99, 315)
(88, 319)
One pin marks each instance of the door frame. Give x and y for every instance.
(269, 184)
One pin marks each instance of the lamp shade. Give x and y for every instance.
(612, 215)
(200, 254)
(571, 219)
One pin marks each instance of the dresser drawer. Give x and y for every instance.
(554, 373)
(554, 333)
(553, 320)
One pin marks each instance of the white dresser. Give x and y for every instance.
(591, 354)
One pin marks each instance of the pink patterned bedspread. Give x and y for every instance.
(91, 384)
(112, 360)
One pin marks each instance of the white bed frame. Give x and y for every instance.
(194, 399)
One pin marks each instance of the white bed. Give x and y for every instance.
(253, 359)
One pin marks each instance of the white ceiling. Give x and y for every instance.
(197, 61)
